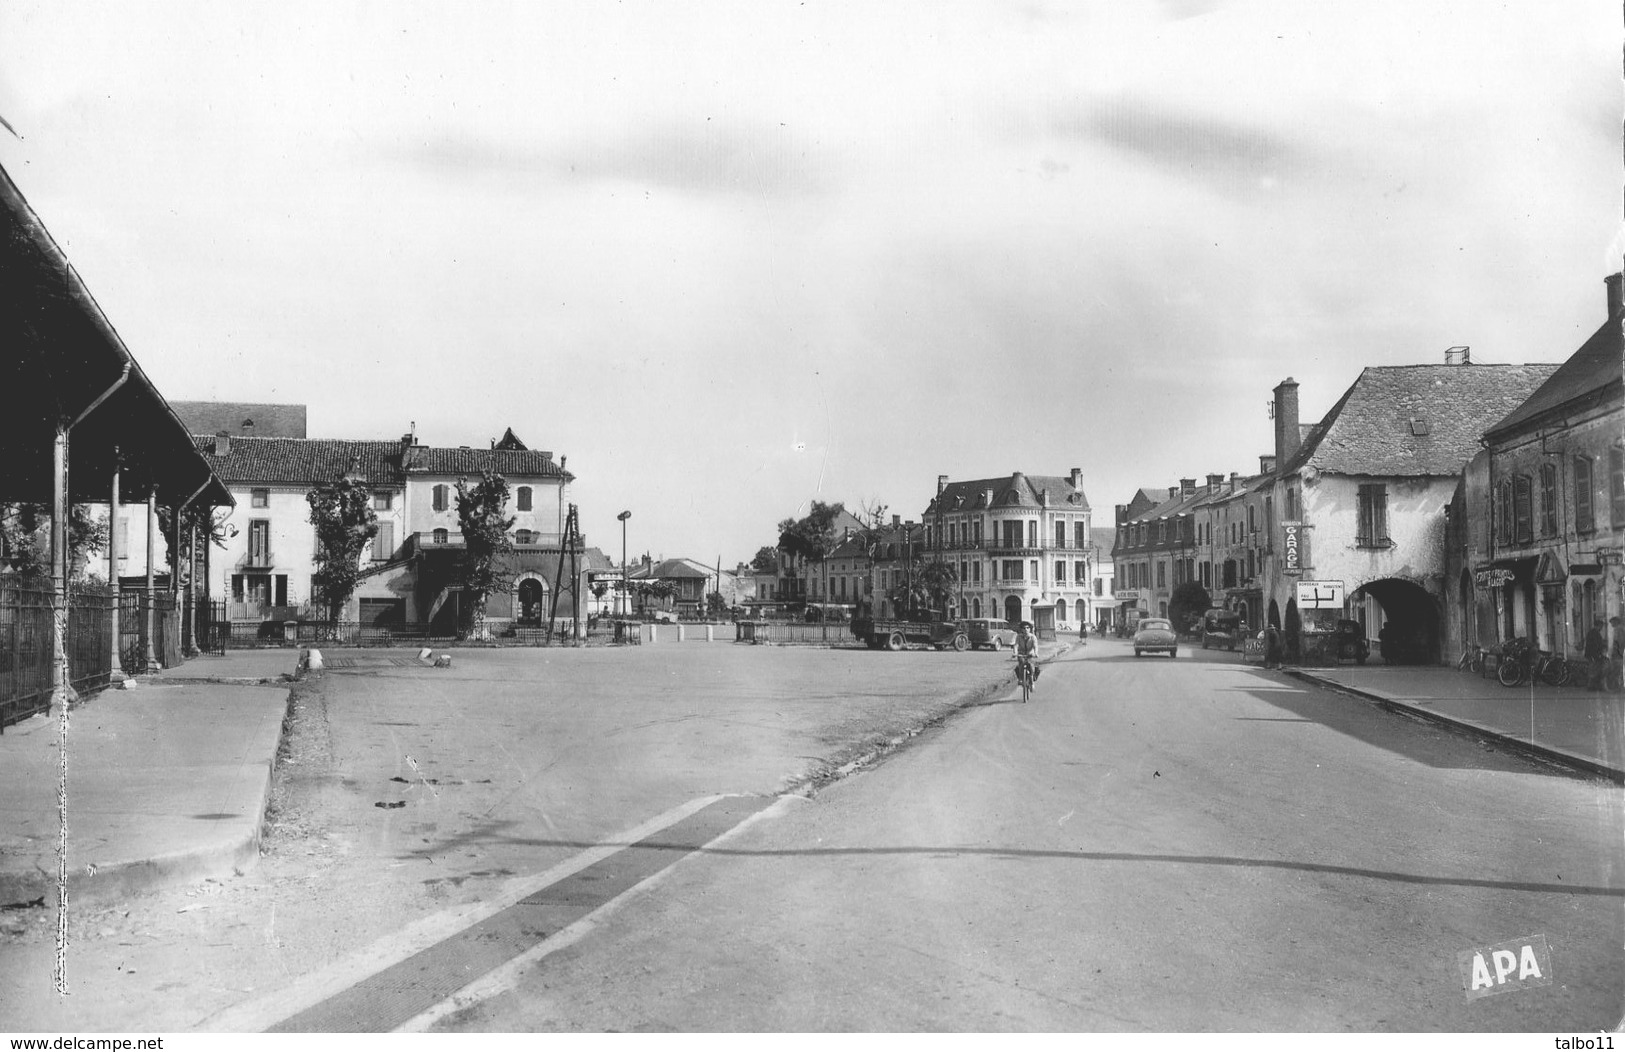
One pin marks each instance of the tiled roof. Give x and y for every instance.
(1590, 369)
(263, 419)
(470, 460)
(315, 460)
(1017, 490)
(1372, 430)
(1103, 537)
(301, 460)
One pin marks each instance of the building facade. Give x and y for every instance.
(1022, 546)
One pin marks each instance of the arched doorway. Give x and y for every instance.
(1293, 630)
(976, 606)
(1275, 614)
(531, 600)
(1012, 609)
(1412, 625)
(1060, 611)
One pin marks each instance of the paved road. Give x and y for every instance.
(411, 797)
(1148, 845)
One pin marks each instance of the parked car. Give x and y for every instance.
(990, 632)
(1222, 628)
(1153, 634)
(1349, 642)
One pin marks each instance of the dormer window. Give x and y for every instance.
(1419, 426)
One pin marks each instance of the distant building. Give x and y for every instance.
(1022, 545)
(248, 419)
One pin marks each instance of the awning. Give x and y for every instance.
(61, 355)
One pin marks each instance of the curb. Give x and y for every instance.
(1458, 724)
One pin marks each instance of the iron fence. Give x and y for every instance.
(26, 650)
(141, 615)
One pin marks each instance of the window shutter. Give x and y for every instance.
(1522, 517)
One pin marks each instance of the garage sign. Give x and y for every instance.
(1320, 595)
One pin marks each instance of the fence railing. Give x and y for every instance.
(27, 653)
(134, 624)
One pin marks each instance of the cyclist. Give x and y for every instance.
(1027, 649)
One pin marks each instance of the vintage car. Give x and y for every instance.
(1153, 634)
(1222, 628)
(1348, 642)
(990, 632)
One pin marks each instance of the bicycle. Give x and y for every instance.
(1471, 660)
(1024, 676)
(1515, 663)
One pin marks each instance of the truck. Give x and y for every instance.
(895, 633)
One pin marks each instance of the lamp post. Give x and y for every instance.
(623, 516)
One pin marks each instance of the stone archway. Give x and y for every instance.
(1412, 627)
(532, 598)
(1012, 609)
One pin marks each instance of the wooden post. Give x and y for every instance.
(150, 660)
(60, 688)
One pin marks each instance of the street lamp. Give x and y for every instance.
(623, 516)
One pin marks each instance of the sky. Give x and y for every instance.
(730, 258)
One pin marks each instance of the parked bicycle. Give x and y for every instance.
(1471, 660)
(1521, 661)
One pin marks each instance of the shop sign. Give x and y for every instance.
(1128, 595)
(1320, 595)
(1493, 578)
(1291, 559)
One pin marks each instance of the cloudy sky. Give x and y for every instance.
(732, 257)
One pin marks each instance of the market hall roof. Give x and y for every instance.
(1415, 420)
(61, 355)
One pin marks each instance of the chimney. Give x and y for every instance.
(1616, 298)
(1187, 487)
(942, 484)
(1043, 497)
(1462, 355)
(1173, 492)
(1121, 514)
(222, 443)
(987, 498)
(896, 520)
(1076, 478)
(1235, 480)
(1266, 464)
(1214, 482)
(1287, 435)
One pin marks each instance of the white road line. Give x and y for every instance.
(314, 987)
(507, 976)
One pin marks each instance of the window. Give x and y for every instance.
(1060, 573)
(952, 530)
(1033, 567)
(524, 537)
(382, 501)
(1012, 534)
(976, 572)
(1291, 504)
(1081, 572)
(522, 496)
(1548, 499)
(1012, 569)
(1162, 575)
(1616, 486)
(441, 536)
(1503, 512)
(259, 498)
(976, 533)
(1522, 516)
(1585, 517)
(1060, 535)
(1032, 533)
(1373, 529)
(1252, 522)
(1100, 586)
(441, 497)
(383, 542)
(1080, 534)
(259, 542)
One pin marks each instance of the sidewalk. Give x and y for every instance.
(1570, 725)
(167, 781)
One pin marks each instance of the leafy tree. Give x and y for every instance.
(1188, 603)
(657, 590)
(25, 541)
(345, 524)
(197, 518)
(813, 535)
(485, 539)
(715, 604)
(928, 586)
(766, 559)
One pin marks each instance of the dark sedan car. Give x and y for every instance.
(1155, 634)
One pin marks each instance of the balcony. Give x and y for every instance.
(258, 557)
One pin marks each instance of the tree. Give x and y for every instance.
(1188, 603)
(766, 559)
(25, 541)
(715, 604)
(657, 590)
(813, 535)
(196, 518)
(485, 539)
(345, 524)
(927, 586)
